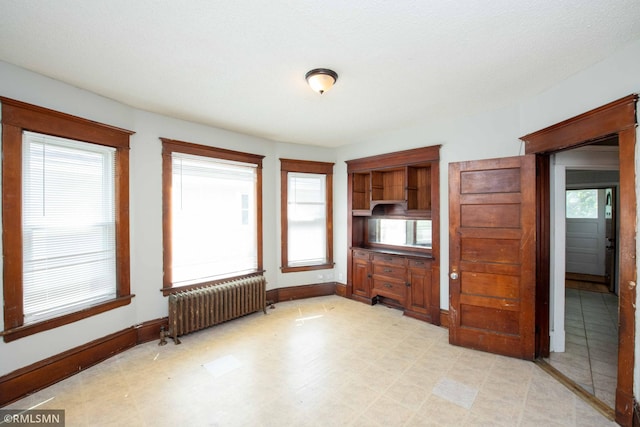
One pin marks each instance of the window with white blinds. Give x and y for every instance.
(307, 219)
(68, 225)
(213, 218)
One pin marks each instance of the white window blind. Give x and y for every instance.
(213, 223)
(307, 219)
(68, 225)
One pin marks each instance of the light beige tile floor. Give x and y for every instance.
(325, 361)
(591, 350)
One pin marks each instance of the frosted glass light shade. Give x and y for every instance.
(321, 79)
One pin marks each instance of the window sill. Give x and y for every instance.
(33, 328)
(307, 268)
(172, 290)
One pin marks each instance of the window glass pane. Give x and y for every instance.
(213, 218)
(582, 203)
(307, 219)
(400, 232)
(69, 247)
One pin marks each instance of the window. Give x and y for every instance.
(306, 212)
(413, 233)
(66, 218)
(582, 203)
(212, 214)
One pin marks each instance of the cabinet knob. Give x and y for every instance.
(454, 276)
(408, 284)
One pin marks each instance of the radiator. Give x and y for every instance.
(196, 309)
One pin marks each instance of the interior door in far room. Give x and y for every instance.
(492, 259)
(585, 231)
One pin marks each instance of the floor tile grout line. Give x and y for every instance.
(584, 323)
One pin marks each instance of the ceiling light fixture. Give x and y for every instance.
(321, 79)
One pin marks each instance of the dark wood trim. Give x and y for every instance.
(17, 117)
(593, 401)
(305, 166)
(435, 243)
(398, 158)
(26, 330)
(43, 120)
(585, 128)
(170, 146)
(301, 292)
(543, 254)
(628, 276)
(618, 117)
(12, 225)
(306, 267)
(44, 373)
(444, 318)
(150, 330)
(341, 289)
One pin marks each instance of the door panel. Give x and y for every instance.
(492, 234)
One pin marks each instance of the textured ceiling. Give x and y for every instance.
(240, 65)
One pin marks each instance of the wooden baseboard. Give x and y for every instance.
(150, 330)
(44, 373)
(444, 318)
(301, 292)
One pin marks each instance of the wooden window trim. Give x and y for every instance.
(170, 146)
(17, 117)
(305, 166)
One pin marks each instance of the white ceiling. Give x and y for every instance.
(240, 64)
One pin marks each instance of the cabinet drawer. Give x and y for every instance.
(419, 263)
(360, 254)
(394, 271)
(388, 259)
(395, 289)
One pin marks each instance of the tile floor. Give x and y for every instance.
(591, 343)
(325, 361)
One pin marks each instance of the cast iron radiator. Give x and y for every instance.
(196, 309)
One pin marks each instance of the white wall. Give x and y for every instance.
(146, 206)
(487, 135)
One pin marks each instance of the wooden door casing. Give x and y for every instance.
(492, 260)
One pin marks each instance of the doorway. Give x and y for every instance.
(616, 119)
(583, 298)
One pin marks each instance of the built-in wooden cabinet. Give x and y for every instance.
(361, 274)
(399, 186)
(408, 187)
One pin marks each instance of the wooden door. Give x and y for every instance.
(492, 258)
(585, 233)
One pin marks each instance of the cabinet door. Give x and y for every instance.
(419, 291)
(361, 277)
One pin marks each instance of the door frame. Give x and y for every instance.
(616, 118)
